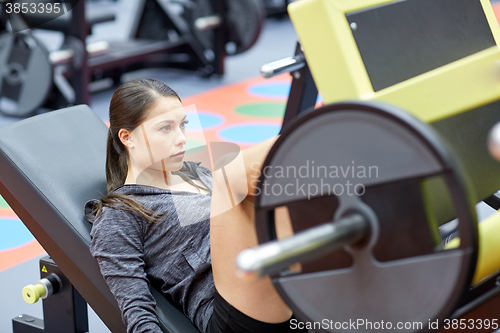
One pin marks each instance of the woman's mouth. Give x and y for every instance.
(179, 154)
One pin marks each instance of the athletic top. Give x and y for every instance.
(172, 254)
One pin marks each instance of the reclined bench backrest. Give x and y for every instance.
(50, 165)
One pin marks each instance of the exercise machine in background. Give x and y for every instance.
(190, 34)
(277, 8)
(411, 90)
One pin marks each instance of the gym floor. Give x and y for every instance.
(239, 107)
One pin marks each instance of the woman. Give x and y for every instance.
(172, 223)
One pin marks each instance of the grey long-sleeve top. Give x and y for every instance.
(173, 253)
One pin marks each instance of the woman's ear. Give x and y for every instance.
(126, 138)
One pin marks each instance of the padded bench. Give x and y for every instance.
(51, 164)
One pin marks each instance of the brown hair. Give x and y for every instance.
(128, 109)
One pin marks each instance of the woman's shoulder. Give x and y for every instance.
(108, 215)
(113, 225)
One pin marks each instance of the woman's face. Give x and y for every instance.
(159, 143)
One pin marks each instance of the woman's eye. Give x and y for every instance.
(167, 128)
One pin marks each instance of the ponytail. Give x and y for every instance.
(116, 162)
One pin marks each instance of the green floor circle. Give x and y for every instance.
(3, 203)
(270, 110)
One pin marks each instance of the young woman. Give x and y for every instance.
(174, 224)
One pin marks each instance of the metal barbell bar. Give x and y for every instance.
(276, 256)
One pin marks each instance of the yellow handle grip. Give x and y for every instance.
(488, 261)
(32, 293)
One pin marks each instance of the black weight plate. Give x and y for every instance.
(402, 273)
(245, 20)
(194, 10)
(25, 74)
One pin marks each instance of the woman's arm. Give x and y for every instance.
(117, 246)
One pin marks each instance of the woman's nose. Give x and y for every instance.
(181, 137)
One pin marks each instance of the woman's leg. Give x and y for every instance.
(233, 230)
